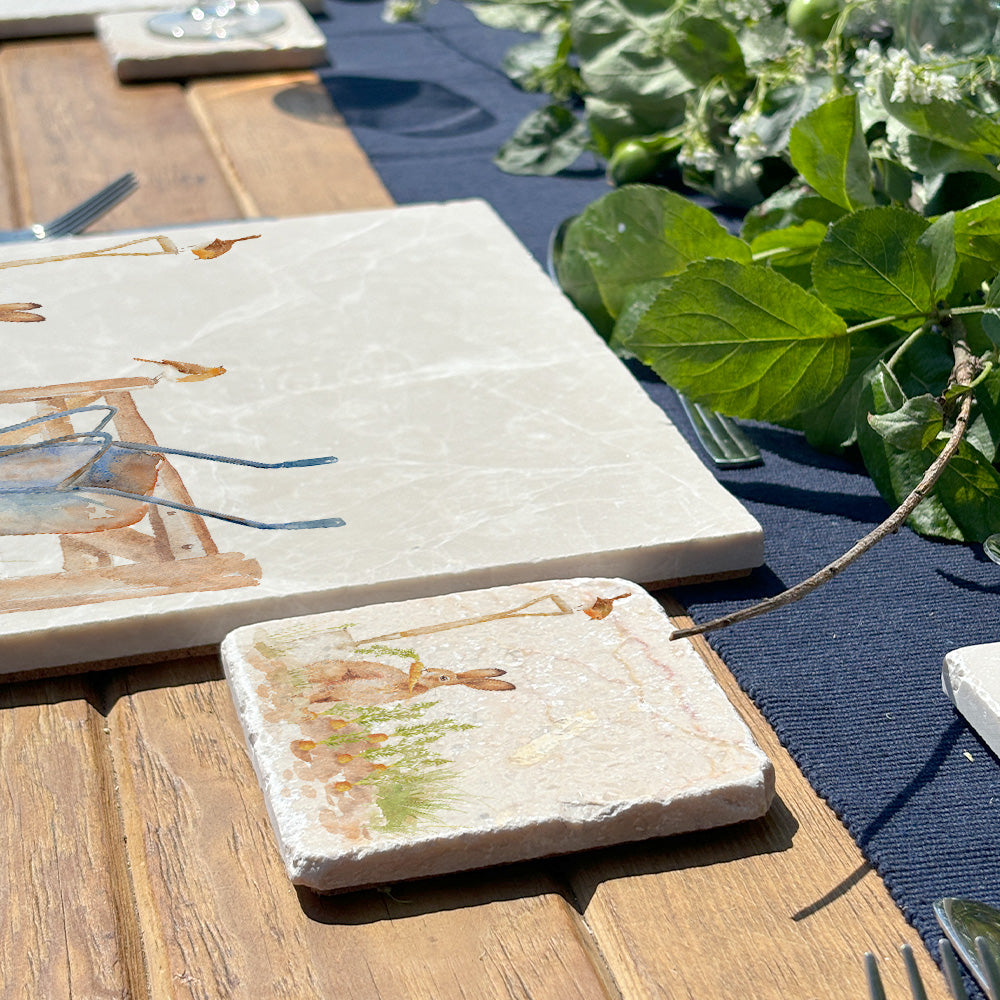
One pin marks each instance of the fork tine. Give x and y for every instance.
(917, 990)
(87, 211)
(991, 968)
(949, 966)
(876, 991)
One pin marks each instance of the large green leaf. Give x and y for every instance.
(950, 123)
(738, 337)
(622, 50)
(828, 148)
(705, 50)
(964, 505)
(897, 471)
(545, 142)
(640, 232)
(833, 426)
(977, 242)
(872, 264)
(984, 431)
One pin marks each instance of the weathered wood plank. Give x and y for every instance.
(219, 917)
(67, 930)
(285, 148)
(783, 907)
(74, 128)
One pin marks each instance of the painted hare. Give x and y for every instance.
(364, 682)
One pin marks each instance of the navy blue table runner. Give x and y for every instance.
(849, 677)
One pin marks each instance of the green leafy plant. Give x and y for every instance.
(879, 330)
(708, 91)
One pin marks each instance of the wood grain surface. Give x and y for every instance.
(139, 859)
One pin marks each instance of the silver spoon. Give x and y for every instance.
(992, 547)
(974, 930)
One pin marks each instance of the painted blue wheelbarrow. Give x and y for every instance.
(86, 481)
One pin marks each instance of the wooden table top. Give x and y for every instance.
(139, 858)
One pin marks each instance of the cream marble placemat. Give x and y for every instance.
(474, 729)
(484, 434)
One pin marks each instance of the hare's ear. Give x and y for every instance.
(486, 683)
(481, 672)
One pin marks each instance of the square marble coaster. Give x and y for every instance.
(971, 679)
(485, 435)
(443, 734)
(30, 18)
(137, 54)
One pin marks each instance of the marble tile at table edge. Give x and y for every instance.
(31, 18)
(597, 730)
(971, 679)
(135, 53)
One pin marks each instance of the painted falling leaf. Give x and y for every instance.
(187, 371)
(601, 608)
(19, 312)
(218, 247)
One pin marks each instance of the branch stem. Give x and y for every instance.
(889, 526)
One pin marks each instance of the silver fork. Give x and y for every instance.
(76, 219)
(949, 966)
(727, 446)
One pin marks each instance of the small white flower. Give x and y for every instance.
(750, 148)
(395, 11)
(918, 82)
(701, 156)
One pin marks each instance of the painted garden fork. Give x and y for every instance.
(949, 965)
(76, 219)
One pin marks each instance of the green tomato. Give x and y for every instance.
(812, 20)
(635, 160)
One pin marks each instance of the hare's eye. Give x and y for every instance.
(444, 677)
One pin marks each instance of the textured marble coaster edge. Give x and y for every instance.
(732, 801)
(962, 682)
(42, 19)
(136, 54)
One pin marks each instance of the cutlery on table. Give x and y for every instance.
(722, 438)
(876, 991)
(76, 219)
(974, 930)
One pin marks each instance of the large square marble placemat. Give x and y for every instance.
(29, 18)
(485, 435)
(473, 729)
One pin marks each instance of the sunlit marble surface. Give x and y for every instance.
(136, 53)
(971, 678)
(485, 434)
(28, 18)
(474, 729)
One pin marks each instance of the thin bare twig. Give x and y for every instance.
(964, 372)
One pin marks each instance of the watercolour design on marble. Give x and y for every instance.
(440, 734)
(376, 780)
(64, 472)
(483, 438)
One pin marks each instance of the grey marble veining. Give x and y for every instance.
(484, 434)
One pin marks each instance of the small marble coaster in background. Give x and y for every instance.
(31, 18)
(137, 54)
(457, 732)
(971, 678)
